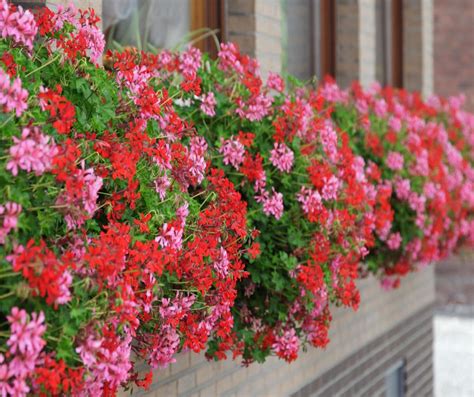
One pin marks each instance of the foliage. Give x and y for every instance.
(176, 202)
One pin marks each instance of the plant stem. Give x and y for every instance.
(44, 65)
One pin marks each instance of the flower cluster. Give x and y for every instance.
(119, 240)
(174, 202)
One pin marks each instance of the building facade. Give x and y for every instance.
(385, 348)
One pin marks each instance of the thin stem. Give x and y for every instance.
(8, 294)
(44, 65)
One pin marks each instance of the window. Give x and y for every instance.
(311, 38)
(395, 380)
(389, 42)
(155, 24)
(29, 4)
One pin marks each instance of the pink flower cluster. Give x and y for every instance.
(256, 108)
(12, 96)
(331, 188)
(10, 212)
(233, 152)
(287, 345)
(34, 151)
(310, 200)
(80, 203)
(25, 346)
(275, 82)
(95, 41)
(395, 161)
(107, 359)
(197, 149)
(19, 25)
(272, 204)
(190, 62)
(282, 157)
(208, 104)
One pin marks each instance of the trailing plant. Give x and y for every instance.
(174, 202)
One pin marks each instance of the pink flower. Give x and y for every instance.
(402, 188)
(190, 61)
(421, 166)
(197, 149)
(80, 204)
(182, 213)
(286, 346)
(275, 82)
(165, 345)
(88, 349)
(330, 188)
(394, 241)
(380, 108)
(221, 266)
(208, 104)
(10, 212)
(328, 138)
(65, 14)
(233, 152)
(389, 283)
(26, 335)
(12, 97)
(162, 183)
(170, 236)
(65, 282)
(310, 200)
(95, 41)
(332, 93)
(394, 161)
(108, 364)
(19, 25)
(229, 58)
(395, 124)
(34, 151)
(174, 310)
(272, 205)
(256, 108)
(282, 157)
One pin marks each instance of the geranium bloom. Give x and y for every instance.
(221, 266)
(162, 183)
(272, 205)
(165, 345)
(286, 346)
(233, 152)
(394, 161)
(331, 188)
(26, 335)
(402, 188)
(394, 241)
(190, 61)
(79, 199)
(282, 157)
(34, 151)
(18, 25)
(12, 96)
(275, 82)
(208, 104)
(10, 212)
(255, 109)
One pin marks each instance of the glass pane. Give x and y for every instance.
(145, 23)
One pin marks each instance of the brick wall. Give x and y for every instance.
(418, 46)
(255, 25)
(389, 326)
(454, 48)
